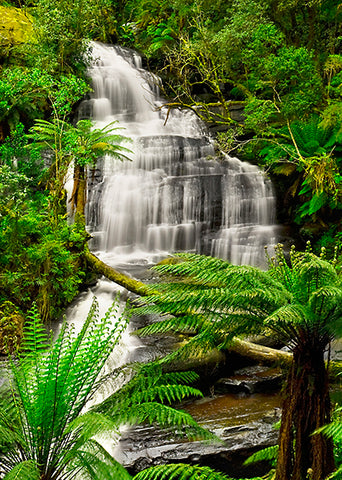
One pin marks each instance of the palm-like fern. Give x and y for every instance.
(212, 301)
(81, 144)
(43, 431)
(300, 302)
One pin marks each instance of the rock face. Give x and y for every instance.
(243, 420)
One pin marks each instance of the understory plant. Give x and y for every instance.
(297, 301)
(182, 471)
(46, 430)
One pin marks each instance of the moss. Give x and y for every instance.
(11, 327)
(15, 26)
(171, 261)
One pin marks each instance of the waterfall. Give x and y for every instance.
(173, 195)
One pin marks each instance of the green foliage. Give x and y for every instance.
(38, 262)
(12, 191)
(334, 431)
(180, 471)
(81, 143)
(147, 398)
(215, 300)
(50, 388)
(16, 28)
(11, 327)
(27, 92)
(87, 144)
(44, 430)
(308, 152)
(63, 27)
(268, 454)
(20, 160)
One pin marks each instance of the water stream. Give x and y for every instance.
(174, 194)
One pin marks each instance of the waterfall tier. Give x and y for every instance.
(173, 195)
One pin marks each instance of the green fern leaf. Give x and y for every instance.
(180, 471)
(269, 454)
(26, 469)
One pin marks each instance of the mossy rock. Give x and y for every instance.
(11, 327)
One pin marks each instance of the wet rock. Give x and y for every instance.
(251, 380)
(146, 446)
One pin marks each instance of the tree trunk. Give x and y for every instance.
(78, 196)
(306, 407)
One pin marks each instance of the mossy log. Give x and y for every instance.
(260, 353)
(130, 283)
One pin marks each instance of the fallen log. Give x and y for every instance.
(260, 353)
(97, 266)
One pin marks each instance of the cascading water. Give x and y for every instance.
(174, 195)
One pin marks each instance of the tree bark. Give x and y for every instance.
(78, 196)
(306, 407)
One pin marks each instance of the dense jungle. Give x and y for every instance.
(265, 78)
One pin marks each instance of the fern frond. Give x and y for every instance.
(337, 475)
(167, 417)
(92, 424)
(178, 378)
(26, 469)
(148, 385)
(287, 321)
(180, 471)
(185, 323)
(95, 463)
(333, 430)
(269, 454)
(35, 338)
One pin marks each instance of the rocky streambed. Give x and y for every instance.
(241, 410)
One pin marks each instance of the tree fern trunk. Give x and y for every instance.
(78, 196)
(285, 456)
(81, 191)
(306, 407)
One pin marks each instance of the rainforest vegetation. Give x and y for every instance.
(266, 77)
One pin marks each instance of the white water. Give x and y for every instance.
(171, 196)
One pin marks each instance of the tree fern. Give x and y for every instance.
(298, 300)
